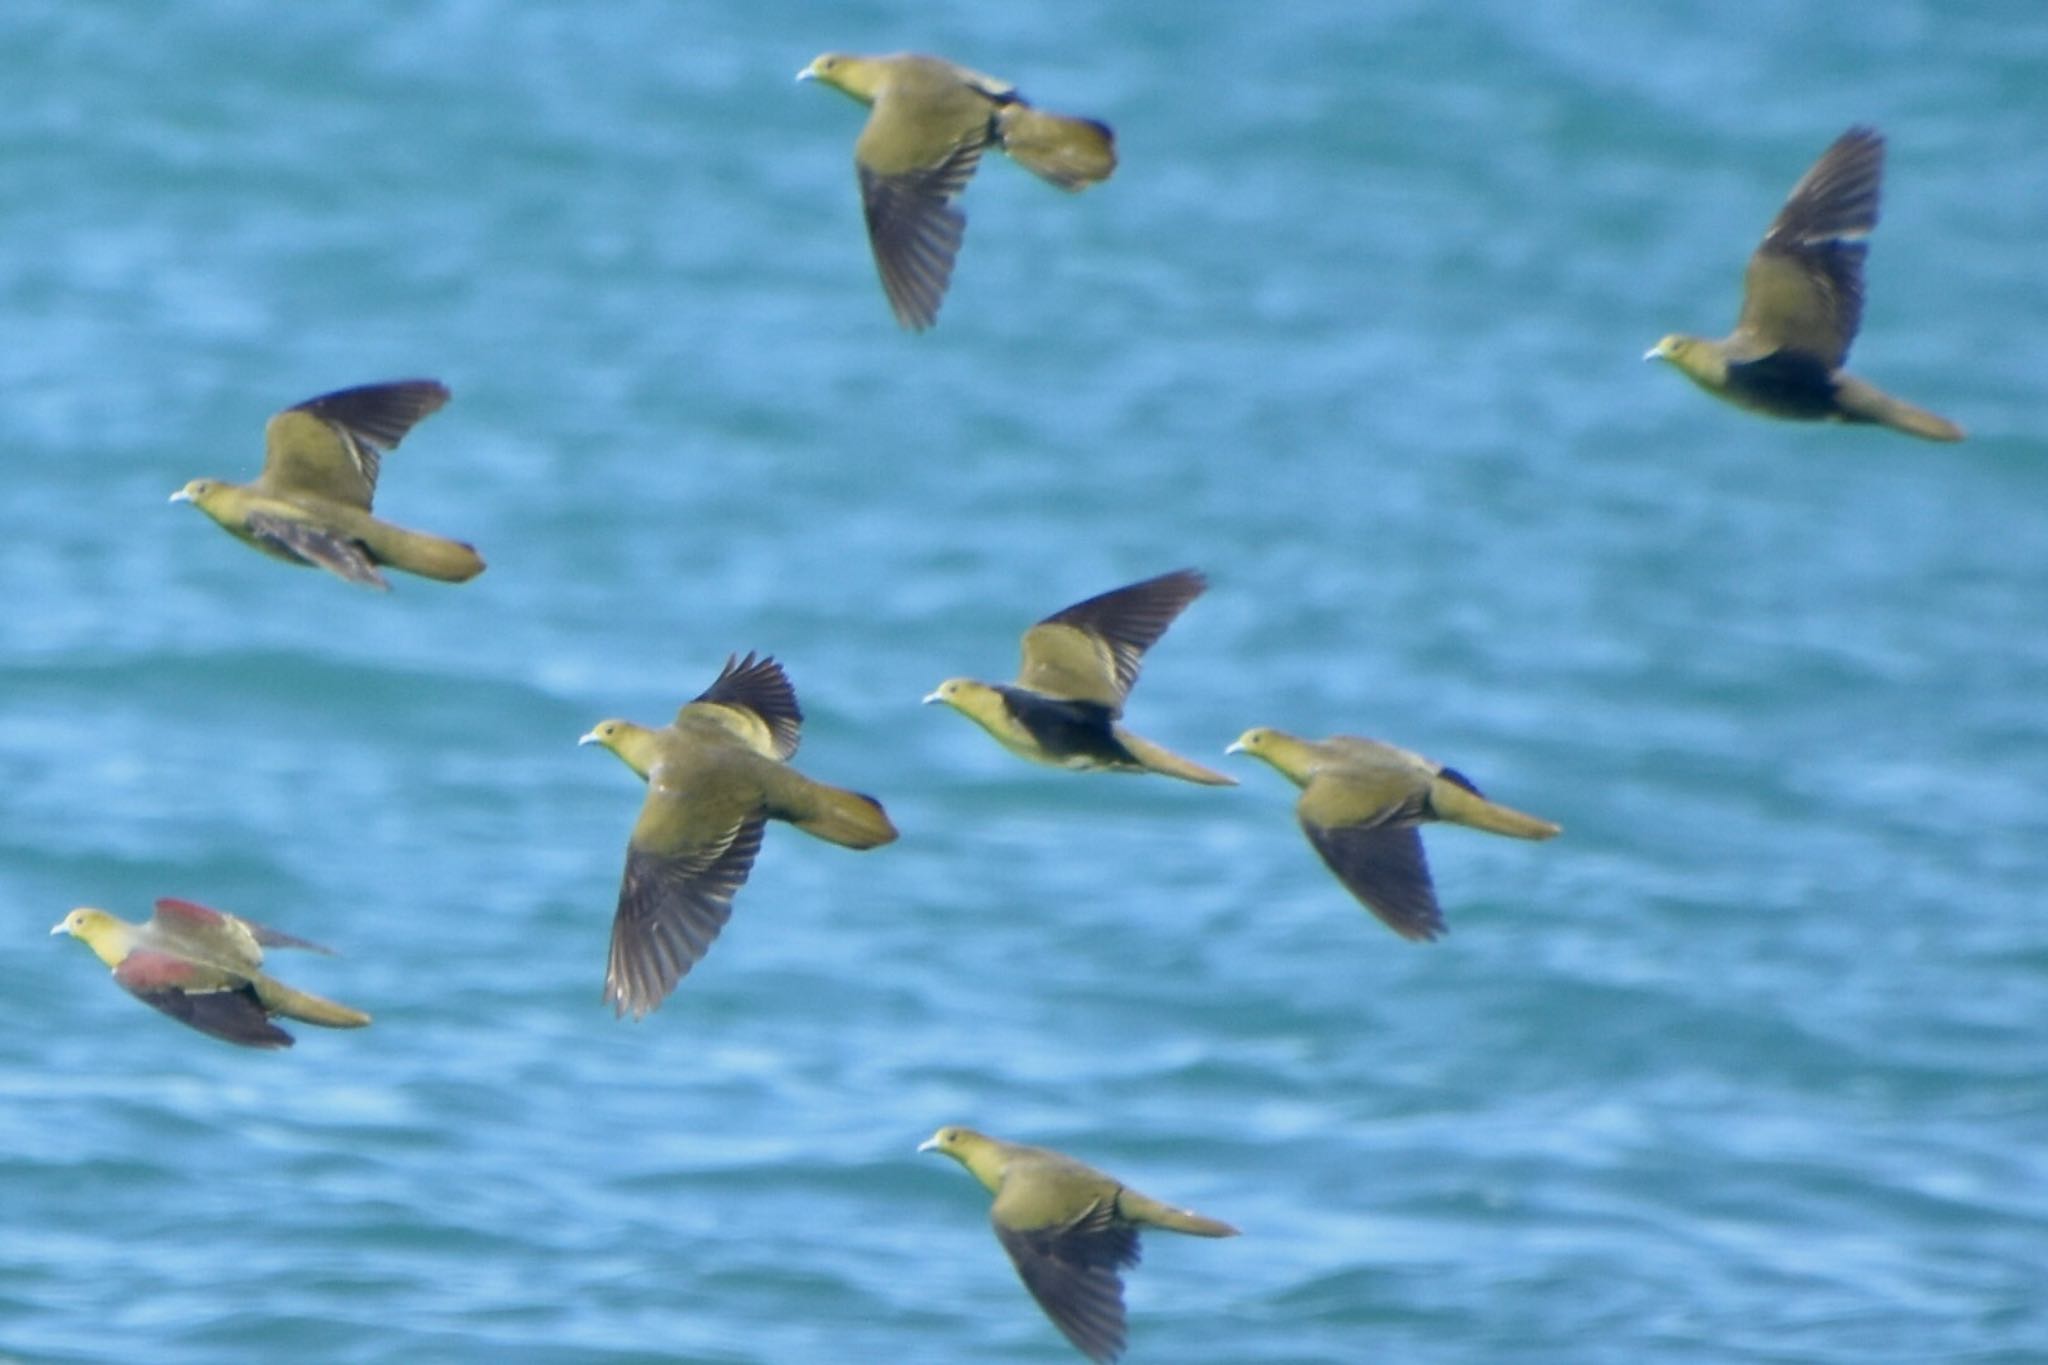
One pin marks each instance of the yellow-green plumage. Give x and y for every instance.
(311, 503)
(715, 777)
(1079, 664)
(1802, 305)
(204, 968)
(1069, 1229)
(929, 123)
(1361, 802)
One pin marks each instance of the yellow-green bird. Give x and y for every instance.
(1361, 803)
(311, 503)
(1069, 1229)
(1802, 303)
(205, 968)
(930, 123)
(1079, 665)
(715, 777)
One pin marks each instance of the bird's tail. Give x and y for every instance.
(1141, 1208)
(1467, 807)
(1162, 760)
(1865, 402)
(302, 1005)
(450, 561)
(1072, 153)
(844, 817)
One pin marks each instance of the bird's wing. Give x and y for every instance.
(753, 699)
(208, 1000)
(1072, 1269)
(1378, 856)
(331, 446)
(213, 939)
(318, 546)
(1804, 290)
(189, 920)
(684, 863)
(1092, 651)
(907, 187)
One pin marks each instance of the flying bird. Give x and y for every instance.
(311, 503)
(931, 122)
(205, 968)
(1066, 705)
(1361, 804)
(1802, 302)
(1069, 1229)
(715, 777)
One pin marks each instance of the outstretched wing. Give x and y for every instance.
(1073, 1270)
(752, 698)
(1092, 651)
(1804, 289)
(683, 866)
(331, 446)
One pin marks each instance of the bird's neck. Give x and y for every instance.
(110, 943)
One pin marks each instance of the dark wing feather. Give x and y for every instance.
(762, 687)
(373, 418)
(1385, 867)
(1128, 620)
(915, 231)
(671, 907)
(1805, 285)
(228, 1012)
(1072, 1270)
(317, 546)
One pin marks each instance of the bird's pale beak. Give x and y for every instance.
(931, 697)
(807, 74)
(930, 1144)
(181, 496)
(590, 738)
(1655, 352)
(1236, 746)
(57, 928)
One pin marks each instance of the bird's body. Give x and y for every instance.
(1069, 1229)
(204, 968)
(715, 777)
(929, 123)
(1802, 305)
(1361, 803)
(311, 504)
(1065, 709)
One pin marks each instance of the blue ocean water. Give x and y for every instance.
(1748, 1065)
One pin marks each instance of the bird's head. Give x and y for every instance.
(1692, 355)
(634, 744)
(97, 929)
(952, 692)
(1255, 741)
(1286, 752)
(978, 1152)
(605, 733)
(201, 493)
(855, 76)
